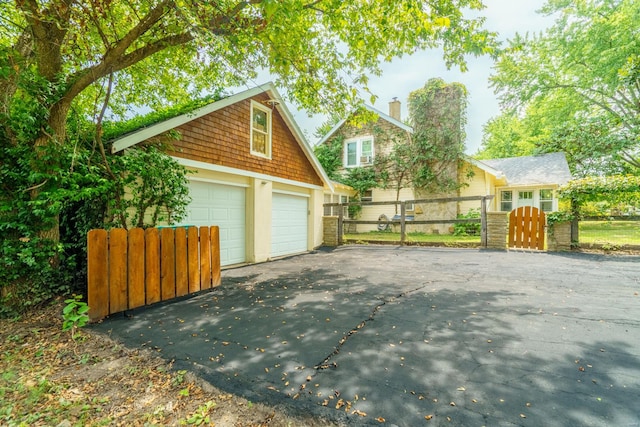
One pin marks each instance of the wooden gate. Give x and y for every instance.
(527, 228)
(132, 268)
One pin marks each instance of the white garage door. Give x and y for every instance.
(288, 224)
(224, 206)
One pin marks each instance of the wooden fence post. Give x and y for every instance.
(483, 222)
(403, 223)
(340, 223)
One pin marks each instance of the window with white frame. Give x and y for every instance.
(358, 152)
(506, 201)
(260, 130)
(546, 200)
(367, 196)
(334, 210)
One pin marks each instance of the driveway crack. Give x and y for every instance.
(326, 363)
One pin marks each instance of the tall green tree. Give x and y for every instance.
(579, 81)
(58, 55)
(505, 136)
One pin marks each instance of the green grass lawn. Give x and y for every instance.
(611, 232)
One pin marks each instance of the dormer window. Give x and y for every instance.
(260, 130)
(358, 152)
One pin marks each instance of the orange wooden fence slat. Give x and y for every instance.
(215, 255)
(535, 230)
(97, 274)
(136, 268)
(167, 264)
(193, 259)
(205, 259)
(152, 264)
(182, 266)
(118, 298)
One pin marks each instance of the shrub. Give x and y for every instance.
(468, 228)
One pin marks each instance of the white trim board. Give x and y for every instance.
(196, 164)
(218, 181)
(291, 193)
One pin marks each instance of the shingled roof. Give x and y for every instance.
(543, 169)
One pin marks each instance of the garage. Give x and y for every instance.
(289, 219)
(224, 206)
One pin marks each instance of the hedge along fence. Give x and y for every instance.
(128, 269)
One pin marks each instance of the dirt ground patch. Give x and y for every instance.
(49, 378)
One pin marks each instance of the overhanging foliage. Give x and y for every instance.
(614, 188)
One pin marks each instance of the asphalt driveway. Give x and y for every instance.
(416, 336)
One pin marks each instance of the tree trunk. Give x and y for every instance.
(57, 124)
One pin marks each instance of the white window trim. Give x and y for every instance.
(358, 140)
(515, 196)
(258, 106)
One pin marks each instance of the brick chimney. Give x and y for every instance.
(394, 109)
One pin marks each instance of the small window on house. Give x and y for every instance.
(260, 130)
(358, 152)
(506, 201)
(546, 200)
(367, 196)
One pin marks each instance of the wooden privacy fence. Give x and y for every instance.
(128, 269)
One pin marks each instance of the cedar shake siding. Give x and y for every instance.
(223, 138)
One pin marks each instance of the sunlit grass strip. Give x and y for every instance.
(610, 232)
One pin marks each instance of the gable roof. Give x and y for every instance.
(542, 169)
(145, 133)
(380, 114)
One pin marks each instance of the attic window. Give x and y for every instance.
(260, 130)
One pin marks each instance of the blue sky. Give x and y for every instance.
(404, 75)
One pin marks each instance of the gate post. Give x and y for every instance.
(403, 224)
(483, 222)
(340, 223)
(497, 226)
